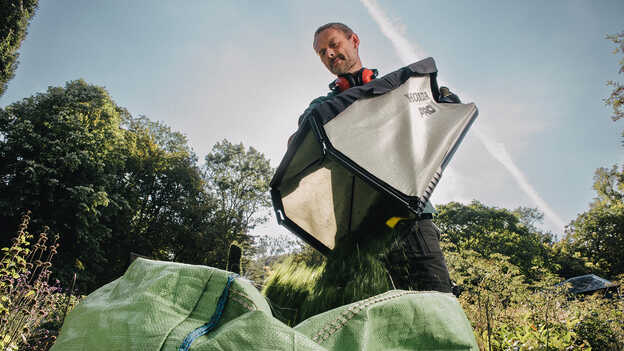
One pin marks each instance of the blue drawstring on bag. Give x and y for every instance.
(206, 328)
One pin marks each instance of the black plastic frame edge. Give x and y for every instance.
(451, 152)
(283, 220)
(290, 153)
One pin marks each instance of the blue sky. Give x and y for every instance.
(245, 70)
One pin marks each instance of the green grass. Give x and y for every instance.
(354, 271)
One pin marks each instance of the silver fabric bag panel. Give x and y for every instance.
(368, 154)
(403, 137)
(324, 198)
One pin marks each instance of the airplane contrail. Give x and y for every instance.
(409, 53)
(499, 152)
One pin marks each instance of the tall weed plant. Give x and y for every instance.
(26, 296)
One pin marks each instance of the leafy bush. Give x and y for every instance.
(596, 331)
(600, 321)
(507, 313)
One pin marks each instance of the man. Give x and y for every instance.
(337, 47)
(415, 260)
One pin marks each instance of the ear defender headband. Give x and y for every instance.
(349, 80)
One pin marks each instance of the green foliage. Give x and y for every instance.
(107, 182)
(597, 332)
(490, 230)
(269, 250)
(16, 15)
(472, 272)
(44, 336)
(609, 186)
(509, 314)
(60, 151)
(616, 98)
(277, 245)
(529, 217)
(570, 262)
(598, 234)
(164, 207)
(238, 181)
(26, 297)
(506, 312)
(112, 184)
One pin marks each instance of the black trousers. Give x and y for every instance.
(415, 260)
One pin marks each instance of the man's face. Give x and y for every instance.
(337, 52)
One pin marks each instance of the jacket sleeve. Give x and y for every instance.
(314, 102)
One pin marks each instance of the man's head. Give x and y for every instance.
(337, 47)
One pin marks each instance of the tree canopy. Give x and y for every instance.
(490, 230)
(16, 15)
(111, 184)
(598, 233)
(61, 153)
(616, 98)
(238, 181)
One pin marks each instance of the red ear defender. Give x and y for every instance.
(342, 84)
(368, 75)
(346, 81)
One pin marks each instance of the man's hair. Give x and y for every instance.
(333, 25)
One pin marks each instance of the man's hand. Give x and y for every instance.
(446, 96)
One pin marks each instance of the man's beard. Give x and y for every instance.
(341, 66)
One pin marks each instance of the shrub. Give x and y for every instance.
(509, 314)
(597, 332)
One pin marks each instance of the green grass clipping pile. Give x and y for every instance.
(300, 288)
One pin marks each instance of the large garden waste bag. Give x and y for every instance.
(172, 306)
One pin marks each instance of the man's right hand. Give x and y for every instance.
(446, 96)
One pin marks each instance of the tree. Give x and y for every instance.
(267, 247)
(16, 15)
(595, 239)
(609, 186)
(59, 153)
(164, 207)
(529, 217)
(490, 230)
(616, 98)
(106, 182)
(238, 180)
(598, 234)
